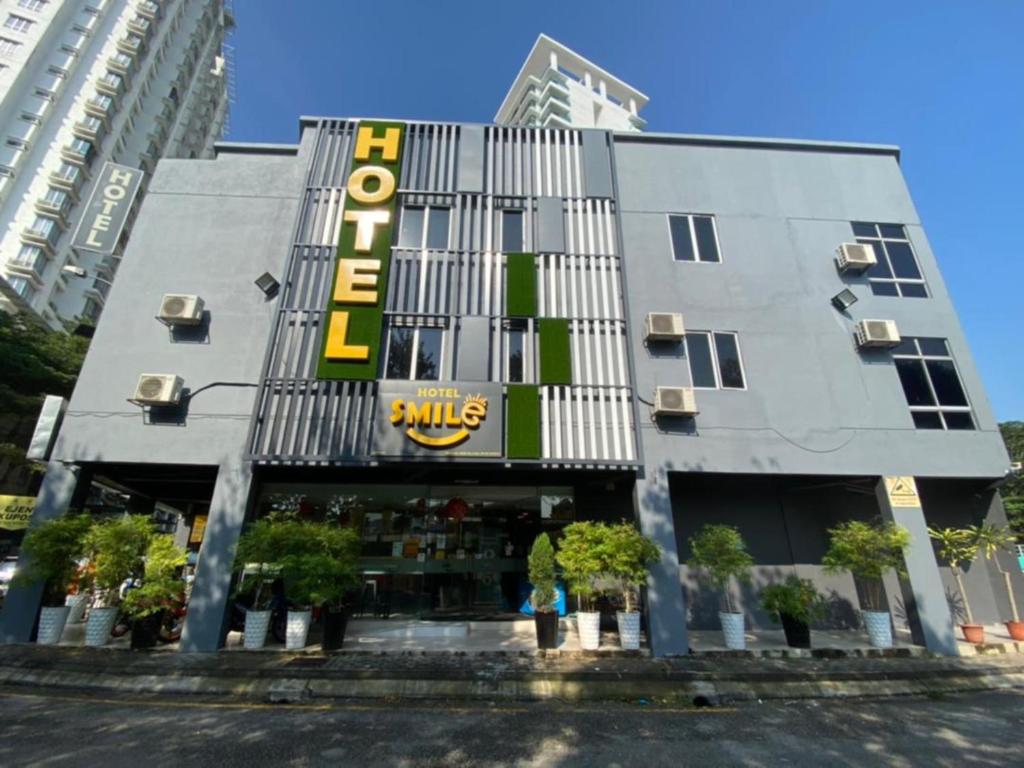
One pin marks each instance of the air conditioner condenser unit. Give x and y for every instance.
(664, 326)
(877, 334)
(674, 401)
(855, 257)
(181, 309)
(158, 389)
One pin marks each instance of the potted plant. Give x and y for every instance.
(333, 571)
(53, 549)
(991, 539)
(161, 586)
(116, 548)
(869, 551)
(958, 546)
(256, 560)
(796, 603)
(544, 596)
(581, 554)
(721, 552)
(629, 554)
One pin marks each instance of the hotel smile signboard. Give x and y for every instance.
(438, 419)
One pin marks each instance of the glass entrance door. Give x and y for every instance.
(441, 552)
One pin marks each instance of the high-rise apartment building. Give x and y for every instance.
(558, 88)
(83, 82)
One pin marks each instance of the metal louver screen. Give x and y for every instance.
(151, 388)
(174, 306)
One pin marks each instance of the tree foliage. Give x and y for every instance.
(867, 550)
(721, 552)
(117, 549)
(161, 582)
(54, 549)
(542, 574)
(796, 598)
(629, 555)
(1013, 491)
(581, 555)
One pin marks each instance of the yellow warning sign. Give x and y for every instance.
(902, 492)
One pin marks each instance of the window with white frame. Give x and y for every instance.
(694, 238)
(8, 46)
(18, 23)
(715, 361)
(414, 352)
(22, 287)
(931, 384)
(425, 226)
(31, 257)
(897, 272)
(32, 5)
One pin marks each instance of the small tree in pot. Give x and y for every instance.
(796, 603)
(51, 551)
(869, 551)
(721, 552)
(629, 555)
(332, 567)
(958, 547)
(544, 596)
(256, 559)
(991, 540)
(582, 556)
(116, 548)
(161, 588)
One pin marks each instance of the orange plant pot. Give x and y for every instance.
(1016, 629)
(973, 633)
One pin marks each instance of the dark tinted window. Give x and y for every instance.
(892, 230)
(411, 233)
(729, 361)
(437, 228)
(881, 269)
(682, 243)
(934, 347)
(914, 290)
(698, 350)
(704, 226)
(860, 229)
(399, 365)
(516, 339)
(902, 258)
(915, 383)
(511, 231)
(884, 289)
(946, 382)
(958, 420)
(927, 420)
(428, 356)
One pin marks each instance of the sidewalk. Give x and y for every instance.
(294, 677)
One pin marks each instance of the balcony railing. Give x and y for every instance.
(98, 108)
(130, 45)
(90, 129)
(120, 63)
(67, 178)
(148, 9)
(139, 26)
(110, 84)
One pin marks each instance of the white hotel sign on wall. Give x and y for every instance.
(107, 210)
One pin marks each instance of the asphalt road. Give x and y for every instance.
(72, 730)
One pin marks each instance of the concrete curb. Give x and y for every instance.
(292, 678)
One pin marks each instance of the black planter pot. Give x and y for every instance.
(798, 633)
(335, 622)
(546, 624)
(146, 631)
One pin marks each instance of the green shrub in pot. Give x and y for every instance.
(719, 550)
(161, 588)
(541, 564)
(796, 604)
(629, 554)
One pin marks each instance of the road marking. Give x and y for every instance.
(409, 703)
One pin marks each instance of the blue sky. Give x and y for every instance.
(944, 80)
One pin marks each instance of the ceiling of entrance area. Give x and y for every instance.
(173, 484)
(420, 496)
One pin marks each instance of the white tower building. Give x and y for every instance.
(559, 88)
(83, 82)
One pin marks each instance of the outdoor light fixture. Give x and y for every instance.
(268, 284)
(76, 271)
(844, 299)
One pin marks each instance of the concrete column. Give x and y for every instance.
(553, 59)
(923, 593)
(206, 620)
(21, 606)
(666, 603)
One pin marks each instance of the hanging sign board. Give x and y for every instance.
(107, 209)
(15, 512)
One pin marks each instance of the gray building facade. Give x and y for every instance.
(511, 279)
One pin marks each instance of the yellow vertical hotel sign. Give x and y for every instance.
(354, 320)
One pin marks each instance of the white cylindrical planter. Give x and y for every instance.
(629, 630)
(732, 628)
(298, 629)
(879, 627)
(100, 625)
(51, 624)
(77, 603)
(589, 627)
(256, 625)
